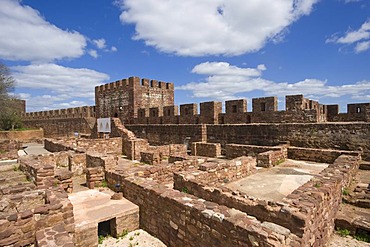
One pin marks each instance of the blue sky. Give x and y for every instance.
(58, 51)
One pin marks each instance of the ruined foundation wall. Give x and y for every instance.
(308, 212)
(317, 155)
(179, 219)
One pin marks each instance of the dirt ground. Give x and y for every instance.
(138, 238)
(338, 241)
(141, 238)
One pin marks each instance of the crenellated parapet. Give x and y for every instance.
(264, 110)
(68, 113)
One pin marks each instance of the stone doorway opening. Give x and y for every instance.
(105, 228)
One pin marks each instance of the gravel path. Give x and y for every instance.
(138, 238)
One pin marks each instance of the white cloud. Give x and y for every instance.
(225, 81)
(362, 46)
(26, 36)
(113, 49)
(100, 43)
(359, 37)
(62, 84)
(93, 53)
(211, 27)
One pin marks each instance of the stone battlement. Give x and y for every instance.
(76, 112)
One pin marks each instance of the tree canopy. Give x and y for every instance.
(9, 105)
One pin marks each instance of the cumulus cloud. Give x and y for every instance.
(36, 39)
(100, 43)
(93, 53)
(62, 84)
(360, 38)
(225, 81)
(204, 27)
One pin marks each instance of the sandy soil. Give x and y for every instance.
(138, 238)
(141, 238)
(338, 241)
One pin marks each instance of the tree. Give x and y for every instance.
(10, 107)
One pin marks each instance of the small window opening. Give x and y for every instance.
(234, 108)
(168, 112)
(358, 109)
(263, 106)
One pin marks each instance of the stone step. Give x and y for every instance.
(365, 165)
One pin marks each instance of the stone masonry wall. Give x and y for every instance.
(340, 136)
(206, 149)
(308, 212)
(62, 127)
(180, 219)
(237, 150)
(170, 134)
(19, 229)
(318, 155)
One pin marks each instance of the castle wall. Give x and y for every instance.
(344, 136)
(62, 126)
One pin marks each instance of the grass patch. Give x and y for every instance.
(16, 168)
(362, 236)
(345, 191)
(279, 162)
(23, 129)
(104, 184)
(101, 238)
(185, 190)
(2, 151)
(122, 234)
(317, 185)
(343, 232)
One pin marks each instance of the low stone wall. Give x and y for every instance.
(106, 146)
(318, 155)
(237, 150)
(43, 171)
(206, 149)
(271, 158)
(107, 162)
(133, 147)
(94, 177)
(77, 163)
(167, 150)
(42, 175)
(308, 212)
(23, 136)
(19, 229)
(65, 179)
(180, 219)
(150, 157)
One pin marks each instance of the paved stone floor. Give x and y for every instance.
(277, 182)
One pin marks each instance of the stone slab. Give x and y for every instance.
(92, 206)
(277, 182)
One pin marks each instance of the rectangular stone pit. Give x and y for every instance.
(92, 209)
